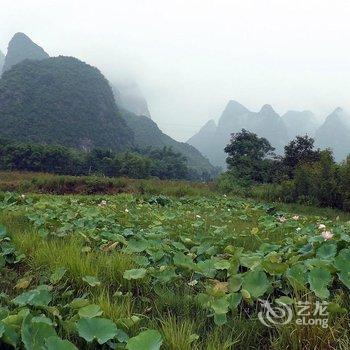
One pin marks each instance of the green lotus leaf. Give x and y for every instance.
(250, 261)
(92, 281)
(220, 319)
(274, 268)
(344, 276)
(327, 250)
(184, 261)
(319, 279)
(220, 305)
(9, 335)
(297, 276)
(165, 275)
(234, 300)
(55, 343)
(90, 311)
(137, 246)
(57, 275)
(235, 283)
(341, 261)
(141, 260)
(256, 283)
(222, 264)
(100, 329)
(207, 268)
(147, 340)
(135, 274)
(34, 334)
(35, 297)
(77, 303)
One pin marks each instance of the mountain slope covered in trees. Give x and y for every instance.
(148, 135)
(61, 101)
(66, 102)
(21, 48)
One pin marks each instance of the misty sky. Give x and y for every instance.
(190, 57)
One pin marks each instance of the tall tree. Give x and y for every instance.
(249, 156)
(298, 151)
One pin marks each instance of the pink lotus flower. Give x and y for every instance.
(296, 217)
(327, 235)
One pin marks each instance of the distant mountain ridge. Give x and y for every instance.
(211, 139)
(278, 130)
(300, 123)
(334, 133)
(20, 48)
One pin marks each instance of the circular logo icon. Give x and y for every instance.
(274, 315)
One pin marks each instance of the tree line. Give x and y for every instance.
(302, 174)
(161, 163)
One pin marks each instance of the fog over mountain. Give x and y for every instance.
(190, 57)
(300, 123)
(2, 60)
(128, 95)
(20, 48)
(334, 133)
(211, 140)
(65, 101)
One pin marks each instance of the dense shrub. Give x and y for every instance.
(302, 175)
(163, 163)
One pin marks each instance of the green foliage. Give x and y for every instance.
(97, 328)
(61, 101)
(164, 163)
(147, 340)
(247, 156)
(148, 137)
(302, 175)
(299, 151)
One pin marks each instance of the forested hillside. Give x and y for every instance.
(61, 101)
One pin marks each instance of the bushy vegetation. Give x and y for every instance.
(29, 182)
(161, 163)
(303, 174)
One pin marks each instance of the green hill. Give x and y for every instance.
(147, 134)
(61, 101)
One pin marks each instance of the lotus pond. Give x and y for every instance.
(144, 273)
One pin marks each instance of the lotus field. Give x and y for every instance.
(142, 272)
